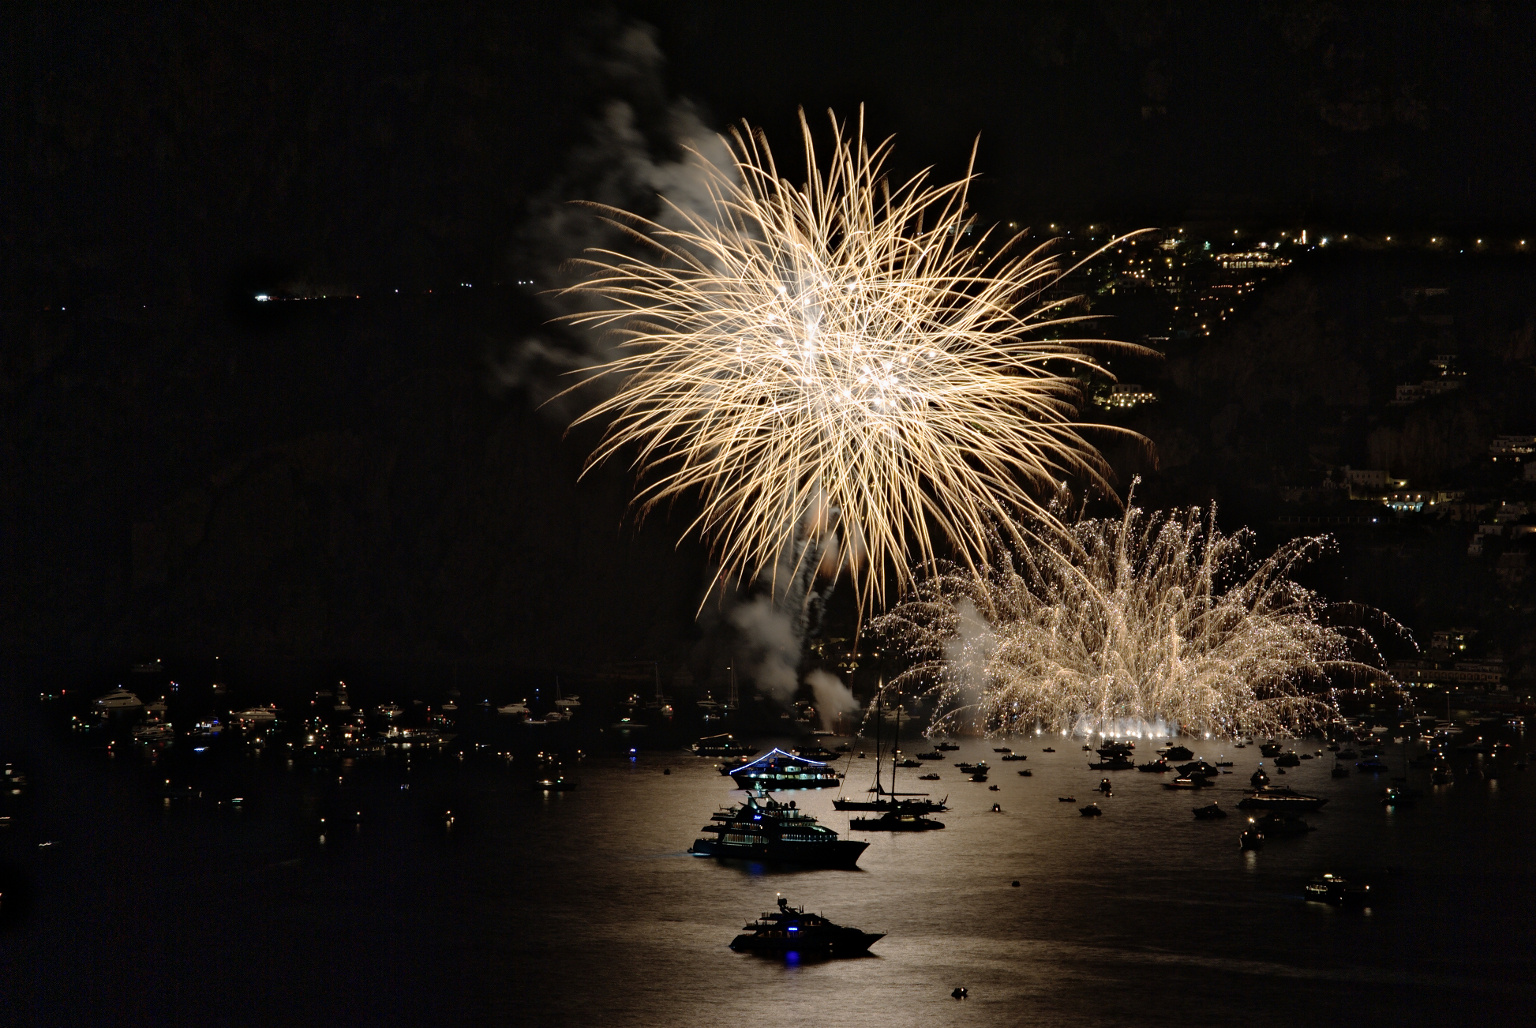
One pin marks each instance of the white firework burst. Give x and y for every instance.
(839, 355)
(1141, 620)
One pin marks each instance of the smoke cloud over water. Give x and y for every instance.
(833, 698)
(635, 157)
(772, 647)
(968, 651)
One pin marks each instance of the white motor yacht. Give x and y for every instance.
(119, 699)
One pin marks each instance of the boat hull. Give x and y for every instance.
(1282, 802)
(842, 942)
(844, 853)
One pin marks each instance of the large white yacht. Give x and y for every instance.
(119, 699)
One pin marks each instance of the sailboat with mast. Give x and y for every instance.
(901, 811)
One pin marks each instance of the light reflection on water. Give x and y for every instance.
(584, 908)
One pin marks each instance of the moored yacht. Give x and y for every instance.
(779, 770)
(764, 829)
(1280, 797)
(119, 700)
(791, 930)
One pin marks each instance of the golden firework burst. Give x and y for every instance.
(838, 357)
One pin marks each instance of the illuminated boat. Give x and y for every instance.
(117, 701)
(779, 770)
(1331, 888)
(791, 930)
(1279, 797)
(899, 820)
(724, 745)
(766, 830)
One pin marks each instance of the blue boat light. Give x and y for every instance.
(793, 928)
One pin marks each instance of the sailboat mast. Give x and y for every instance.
(879, 716)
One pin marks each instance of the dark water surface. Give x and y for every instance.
(584, 908)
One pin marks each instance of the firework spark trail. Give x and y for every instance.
(839, 354)
(1148, 619)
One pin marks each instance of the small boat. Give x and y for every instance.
(1209, 812)
(970, 769)
(909, 762)
(1198, 769)
(1067, 799)
(1339, 771)
(931, 755)
(1269, 749)
(1186, 783)
(724, 745)
(979, 776)
(1015, 756)
(1252, 839)
(1026, 773)
(1400, 798)
(1002, 749)
(1290, 758)
(389, 710)
(930, 777)
(1155, 767)
(559, 783)
(1104, 786)
(1372, 766)
(517, 708)
(1259, 779)
(1280, 797)
(1048, 749)
(991, 788)
(1091, 810)
(1331, 888)
(1178, 753)
(946, 746)
(1442, 776)
(1112, 764)
(791, 930)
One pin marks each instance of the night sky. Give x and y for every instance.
(373, 480)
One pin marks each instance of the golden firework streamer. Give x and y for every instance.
(838, 357)
(1147, 620)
